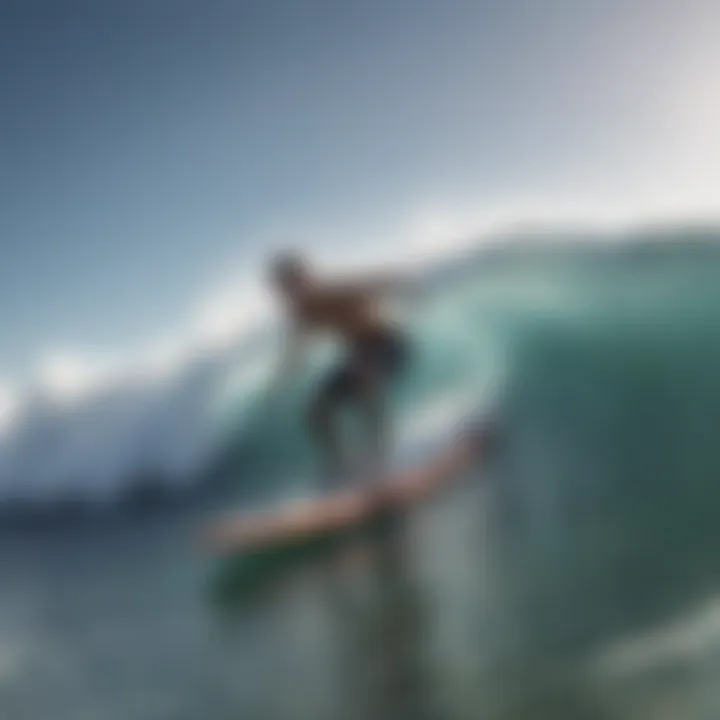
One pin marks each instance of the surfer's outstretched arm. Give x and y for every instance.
(383, 284)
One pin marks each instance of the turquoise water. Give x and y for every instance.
(572, 575)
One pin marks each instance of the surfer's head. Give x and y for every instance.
(289, 271)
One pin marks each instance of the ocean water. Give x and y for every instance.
(571, 574)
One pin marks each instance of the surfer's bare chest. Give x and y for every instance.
(346, 312)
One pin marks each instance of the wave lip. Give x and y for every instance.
(166, 425)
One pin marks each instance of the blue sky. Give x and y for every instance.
(151, 150)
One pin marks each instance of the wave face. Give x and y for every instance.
(599, 359)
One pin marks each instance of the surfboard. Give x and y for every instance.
(306, 520)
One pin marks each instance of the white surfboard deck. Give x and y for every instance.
(299, 520)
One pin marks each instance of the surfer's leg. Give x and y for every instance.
(326, 440)
(376, 367)
(373, 406)
(324, 426)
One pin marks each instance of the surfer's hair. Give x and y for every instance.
(287, 265)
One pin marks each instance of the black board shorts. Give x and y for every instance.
(384, 354)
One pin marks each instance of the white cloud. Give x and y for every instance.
(234, 307)
(69, 375)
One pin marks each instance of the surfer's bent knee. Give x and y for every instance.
(318, 411)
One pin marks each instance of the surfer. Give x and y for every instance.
(376, 353)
